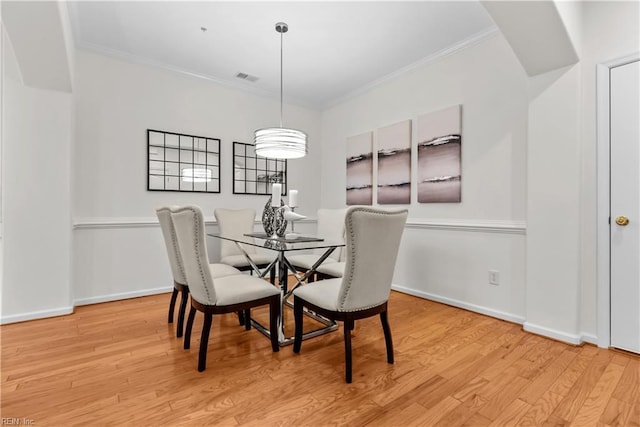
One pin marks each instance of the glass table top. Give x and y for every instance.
(260, 240)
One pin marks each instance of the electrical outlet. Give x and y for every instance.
(494, 277)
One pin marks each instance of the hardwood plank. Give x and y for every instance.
(634, 416)
(433, 415)
(470, 388)
(519, 349)
(511, 414)
(462, 413)
(576, 368)
(617, 413)
(476, 420)
(547, 377)
(594, 406)
(542, 410)
(575, 398)
(628, 389)
(554, 421)
(498, 402)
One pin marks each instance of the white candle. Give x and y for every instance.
(275, 195)
(293, 198)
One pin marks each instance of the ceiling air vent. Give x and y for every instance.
(245, 76)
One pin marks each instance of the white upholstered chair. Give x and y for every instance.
(210, 295)
(179, 280)
(330, 227)
(239, 222)
(331, 270)
(373, 239)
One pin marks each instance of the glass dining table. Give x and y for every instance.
(282, 247)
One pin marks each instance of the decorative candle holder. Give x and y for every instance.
(293, 231)
(273, 221)
(291, 217)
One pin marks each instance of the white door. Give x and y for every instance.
(625, 206)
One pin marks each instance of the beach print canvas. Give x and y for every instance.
(439, 151)
(360, 169)
(394, 164)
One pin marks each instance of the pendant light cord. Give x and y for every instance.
(281, 79)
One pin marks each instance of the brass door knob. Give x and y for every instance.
(622, 220)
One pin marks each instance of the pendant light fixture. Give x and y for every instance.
(281, 142)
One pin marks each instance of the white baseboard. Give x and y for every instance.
(527, 326)
(123, 295)
(589, 338)
(575, 339)
(510, 317)
(34, 315)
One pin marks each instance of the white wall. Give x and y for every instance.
(2, 74)
(118, 252)
(448, 259)
(553, 239)
(36, 251)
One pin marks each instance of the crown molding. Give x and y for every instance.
(461, 45)
(136, 59)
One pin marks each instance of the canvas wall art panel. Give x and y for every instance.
(394, 164)
(439, 139)
(360, 169)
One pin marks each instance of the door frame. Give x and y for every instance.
(603, 163)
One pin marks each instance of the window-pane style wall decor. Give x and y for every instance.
(394, 164)
(179, 162)
(360, 169)
(256, 175)
(439, 156)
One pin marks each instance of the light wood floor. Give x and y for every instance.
(120, 364)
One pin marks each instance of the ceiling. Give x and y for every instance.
(333, 50)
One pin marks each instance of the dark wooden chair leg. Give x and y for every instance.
(172, 304)
(297, 315)
(247, 319)
(181, 312)
(348, 325)
(272, 275)
(241, 317)
(187, 332)
(274, 315)
(204, 341)
(387, 336)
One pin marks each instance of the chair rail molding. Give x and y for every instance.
(473, 225)
(138, 222)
